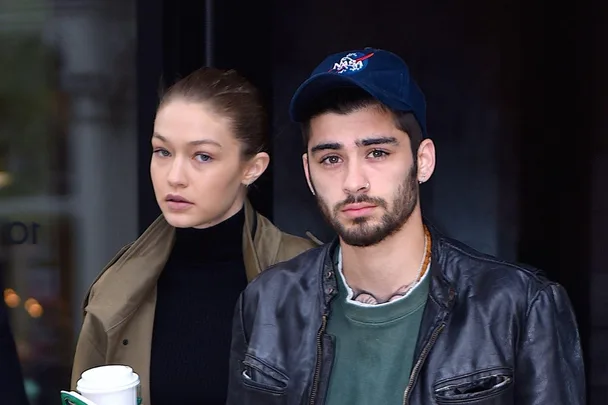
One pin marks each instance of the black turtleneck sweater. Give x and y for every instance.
(197, 293)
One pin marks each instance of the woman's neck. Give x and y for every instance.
(219, 242)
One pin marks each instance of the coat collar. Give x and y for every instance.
(442, 290)
(129, 278)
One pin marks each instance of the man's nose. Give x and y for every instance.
(355, 182)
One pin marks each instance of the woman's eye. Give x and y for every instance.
(161, 152)
(201, 157)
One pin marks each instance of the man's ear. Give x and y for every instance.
(256, 166)
(307, 172)
(426, 160)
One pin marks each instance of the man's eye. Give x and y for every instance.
(378, 154)
(331, 160)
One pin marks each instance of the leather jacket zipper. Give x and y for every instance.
(420, 362)
(315, 381)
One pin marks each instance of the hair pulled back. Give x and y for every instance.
(230, 95)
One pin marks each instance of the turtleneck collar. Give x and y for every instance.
(223, 241)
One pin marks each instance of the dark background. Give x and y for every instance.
(516, 106)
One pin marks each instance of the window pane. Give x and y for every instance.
(67, 169)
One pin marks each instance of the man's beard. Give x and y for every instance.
(362, 232)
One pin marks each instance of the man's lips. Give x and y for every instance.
(352, 208)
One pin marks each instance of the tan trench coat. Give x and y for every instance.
(119, 307)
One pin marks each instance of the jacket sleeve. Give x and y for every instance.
(549, 368)
(238, 348)
(89, 354)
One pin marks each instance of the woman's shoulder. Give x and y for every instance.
(287, 246)
(292, 245)
(147, 253)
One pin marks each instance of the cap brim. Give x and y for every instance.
(315, 87)
(319, 84)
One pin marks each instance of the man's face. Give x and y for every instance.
(361, 169)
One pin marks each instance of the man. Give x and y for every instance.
(393, 312)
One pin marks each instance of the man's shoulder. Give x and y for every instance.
(471, 269)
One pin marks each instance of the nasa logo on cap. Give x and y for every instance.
(351, 63)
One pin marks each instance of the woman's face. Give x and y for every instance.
(197, 168)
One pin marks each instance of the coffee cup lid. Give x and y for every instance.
(107, 378)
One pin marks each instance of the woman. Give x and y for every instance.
(164, 304)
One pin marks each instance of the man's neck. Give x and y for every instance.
(388, 268)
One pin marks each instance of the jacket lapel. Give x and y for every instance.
(441, 298)
(126, 284)
(127, 287)
(250, 231)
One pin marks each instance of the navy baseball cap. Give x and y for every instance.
(384, 75)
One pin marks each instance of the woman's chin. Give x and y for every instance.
(180, 220)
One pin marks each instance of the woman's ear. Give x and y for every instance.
(256, 166)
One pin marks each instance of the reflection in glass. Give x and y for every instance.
(67, 169)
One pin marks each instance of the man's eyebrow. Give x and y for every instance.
(382, 140)
(197, 142)
(326, 146)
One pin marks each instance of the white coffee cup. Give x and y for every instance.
(110, 385)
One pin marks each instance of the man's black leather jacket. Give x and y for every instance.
(492, 333)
